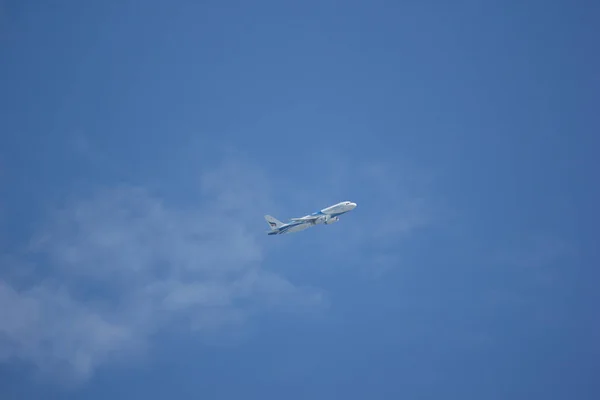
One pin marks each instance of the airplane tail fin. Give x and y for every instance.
(273, 222)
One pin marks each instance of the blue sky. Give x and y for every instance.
(141, 146)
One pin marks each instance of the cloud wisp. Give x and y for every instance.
(109, 271)
(114, 268)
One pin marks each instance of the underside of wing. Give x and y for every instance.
(307, 218)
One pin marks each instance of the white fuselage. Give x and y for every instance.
(327, 216)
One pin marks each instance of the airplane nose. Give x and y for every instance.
(353, 205)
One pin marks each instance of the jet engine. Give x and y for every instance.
(331, 220)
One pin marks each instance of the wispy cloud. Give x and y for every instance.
(402, 195)
(114, 267)
(110, 269)
(395, 201)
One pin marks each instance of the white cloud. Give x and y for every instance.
(110, 269)
(119, 265)
(46, 326)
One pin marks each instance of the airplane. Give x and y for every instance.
(325, 216)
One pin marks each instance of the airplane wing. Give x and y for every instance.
(307, 218)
